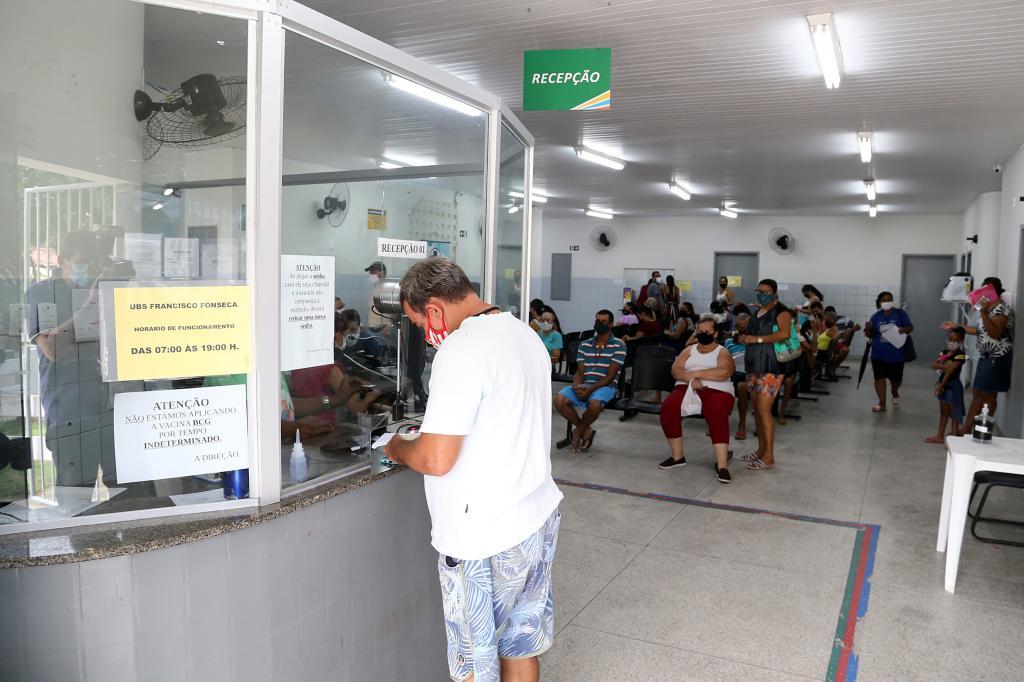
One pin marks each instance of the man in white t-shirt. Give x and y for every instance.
(485, 452)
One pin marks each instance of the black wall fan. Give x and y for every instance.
(205, 110)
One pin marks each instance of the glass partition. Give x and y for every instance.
(374, 164)
(510, 222)
(106, 116)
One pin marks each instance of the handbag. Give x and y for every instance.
(789, 349)
(909, 352)
(691, 404)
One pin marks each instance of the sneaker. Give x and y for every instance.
(723, 475)
(895, 400)
(672, 463)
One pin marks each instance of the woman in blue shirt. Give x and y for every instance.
(550, 333)
(887, 360)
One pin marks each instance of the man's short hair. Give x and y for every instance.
(608, 313)
(434, 278)
(742, 317)
(343, 319)
(771, 283)
(79, 243)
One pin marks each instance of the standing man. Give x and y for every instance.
(484, 451)
(376, 322)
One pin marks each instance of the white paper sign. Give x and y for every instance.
(144, 251)
(221, 259)
(86, 316)
(401, 248)
(48, 314)
(169, 434)
(307, 311)
(181, 258)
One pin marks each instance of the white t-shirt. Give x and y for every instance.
(491, 382)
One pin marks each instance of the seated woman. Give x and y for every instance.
(327, 388)
(706, 368)
(628, 315)
(550, 333)
(649, 326)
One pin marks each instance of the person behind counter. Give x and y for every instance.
(484, 450)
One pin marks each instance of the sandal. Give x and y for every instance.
(741, 435)
(878, 408)
(587, 442)
(781, 421)
(752, 457)
(759, 465)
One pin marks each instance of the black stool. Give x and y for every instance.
(993, 479)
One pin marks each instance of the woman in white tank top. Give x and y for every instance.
(705, 368)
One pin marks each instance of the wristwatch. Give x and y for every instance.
(326, 401)
(760, 339)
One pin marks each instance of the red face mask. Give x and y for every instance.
(436, 336)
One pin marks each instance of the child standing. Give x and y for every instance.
(949, 389)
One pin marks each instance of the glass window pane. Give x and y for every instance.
(511, 221)
(95, 199)
(367, 156)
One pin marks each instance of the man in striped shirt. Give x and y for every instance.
(599, 360)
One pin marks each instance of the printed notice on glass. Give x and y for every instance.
(185, 331)
(307, 311)
(401, 248)
(185, 432)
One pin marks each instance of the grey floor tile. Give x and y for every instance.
(779, 619)
(614, 516)
(761, 539)
(585, 565)
(907, 637)
(583, 654)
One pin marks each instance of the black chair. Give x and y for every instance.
(993, 479)
(565, 369)
(652, 371)
(620, 330)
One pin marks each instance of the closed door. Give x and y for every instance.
(924, 278)
(742, 265)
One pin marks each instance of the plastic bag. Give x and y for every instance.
(691, 403)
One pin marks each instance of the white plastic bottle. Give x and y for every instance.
(297, 463)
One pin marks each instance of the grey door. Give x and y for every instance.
(736, 264)
(1009, 412)
(924, 277)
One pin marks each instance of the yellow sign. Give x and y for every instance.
(171, 332)
(376, 219)
(735, 281)
(685, 285)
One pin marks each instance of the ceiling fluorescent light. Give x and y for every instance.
(728, 213)
(869, 189)
(431, 95)
(387, 164)
(158, 205)
(599, 158)
(864, 140)
(514, 208)
(872, 211)
(535, 198)
(826, 45)
(599, 213)
(679, 191)
(168, 191)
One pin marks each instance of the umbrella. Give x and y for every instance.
(864, 364)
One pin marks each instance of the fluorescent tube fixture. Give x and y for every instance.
(536, 198)
(168, 191)
(432, 95)
(869, 189)
(728, 213)
(826, 45)
(387, 164)
(158, 205)
(514, 208)
(864, 140)
(872, 211)
(599, 158)
(599, 213)
(679, 191)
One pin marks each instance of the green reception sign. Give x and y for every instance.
(577, 80)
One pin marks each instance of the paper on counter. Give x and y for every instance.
(203, 497)
(385, 438)
(891, 333)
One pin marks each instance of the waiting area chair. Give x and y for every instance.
(990, 480)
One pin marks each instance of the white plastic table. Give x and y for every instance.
(964, 457)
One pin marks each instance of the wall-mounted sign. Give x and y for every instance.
(307, 317)
(401, 248)
(685, 285)
(185, 432)
(567, 80)
(735, 281)
(376, 219)
(188, 331)
(574, 247)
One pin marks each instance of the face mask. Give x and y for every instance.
(601, 328)
(887, 305)
(657, 280)
(723, 285)
(719, 318)
(79, 274)
(953, 345)
(546, 326)
(436, 336)
(351, 339)
(765, 298)
(374, 278)
(704, 338)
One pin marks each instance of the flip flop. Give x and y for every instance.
(739, 437)
(759, 465)
(587, 442)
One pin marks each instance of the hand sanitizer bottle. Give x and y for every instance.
(297, 463)
(984, 426)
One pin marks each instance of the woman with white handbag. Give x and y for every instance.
(703, 373)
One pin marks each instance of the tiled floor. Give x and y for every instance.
(659, 590)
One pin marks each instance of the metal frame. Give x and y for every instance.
(268, 22)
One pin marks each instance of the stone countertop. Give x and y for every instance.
(101, 541)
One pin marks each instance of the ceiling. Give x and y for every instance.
(726, 96)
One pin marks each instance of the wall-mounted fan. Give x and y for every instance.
(205, 110)
(782, 241)
(604, 239)
(336, 205)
